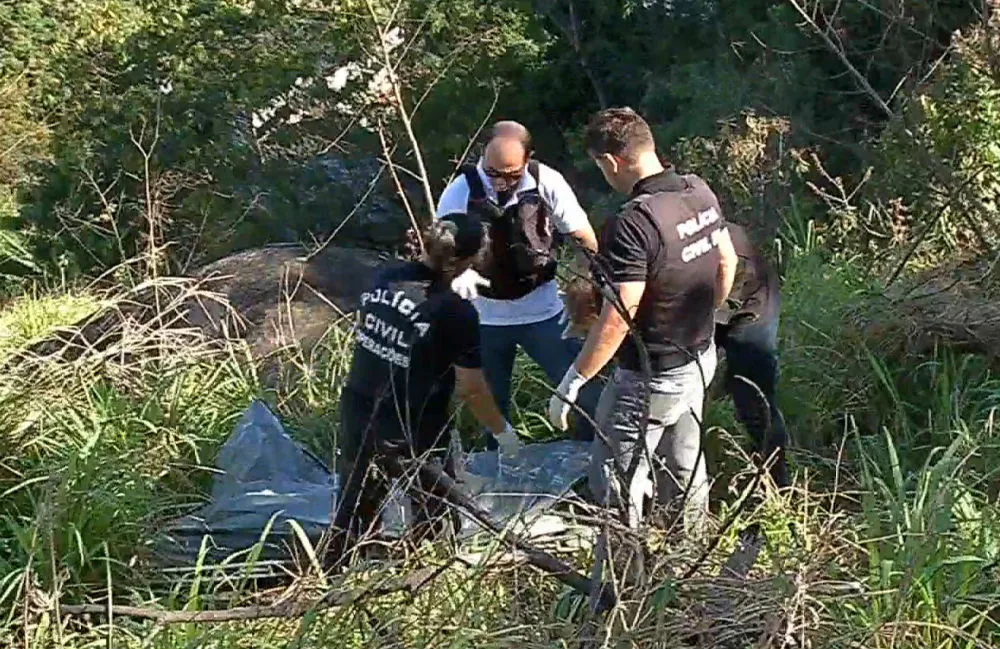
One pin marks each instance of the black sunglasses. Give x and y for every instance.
(510, 176)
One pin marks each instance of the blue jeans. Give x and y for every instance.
(544, 344)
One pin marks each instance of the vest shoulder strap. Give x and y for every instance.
(676, 182)
(533, 169)
(477, 191)
(639, 203)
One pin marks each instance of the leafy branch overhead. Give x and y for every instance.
(192, 194)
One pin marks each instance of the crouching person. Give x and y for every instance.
(668, 256)
(749, 336)
(417, 344)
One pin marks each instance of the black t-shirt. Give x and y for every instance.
(665, 236)
(756, 291)
(411, 333)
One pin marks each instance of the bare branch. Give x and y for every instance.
(446, 489)
(401, 111)
(290, 609)
(839, 53)
(399, 186)
(571, 30)
(354, 210)
(482, 125)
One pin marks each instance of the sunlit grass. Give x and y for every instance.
(897, 533)
(30, 317)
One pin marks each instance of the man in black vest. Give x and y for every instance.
(525, 203)
(748, 332)
(668, 260)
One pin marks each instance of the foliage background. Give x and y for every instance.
(142, 138)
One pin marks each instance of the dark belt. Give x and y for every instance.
(668, 361)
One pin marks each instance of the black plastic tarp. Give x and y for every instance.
(266, 479)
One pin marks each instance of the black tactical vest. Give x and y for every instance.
(519, 255)
(676, 315)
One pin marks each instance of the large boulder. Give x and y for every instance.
(269, 297)
(282, 297)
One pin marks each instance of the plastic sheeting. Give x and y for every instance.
(266, 480)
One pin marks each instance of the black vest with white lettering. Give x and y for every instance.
(676, 313)
(399, 360)
(519, 257)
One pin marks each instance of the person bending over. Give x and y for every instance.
(417, 343)
(748, 333)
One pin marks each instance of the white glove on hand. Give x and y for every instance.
(566, 393)
(640, 490)
(467, 284)
(508, 441)
(565, 323)
(457, 457)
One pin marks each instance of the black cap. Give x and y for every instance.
(468, 235)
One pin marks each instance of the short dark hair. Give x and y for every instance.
(621, 132)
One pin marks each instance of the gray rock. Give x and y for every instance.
(269, 296)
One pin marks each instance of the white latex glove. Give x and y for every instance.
(455, 451)
(508, 441)
(640, 489)
(565, 323)
(568, 390)
(467, 284)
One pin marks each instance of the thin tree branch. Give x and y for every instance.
(290, 609)
(446, 489)
(482, 125)
(403, 116)
(354, 210)
(399, 187)
(839, 53)
(571, 30)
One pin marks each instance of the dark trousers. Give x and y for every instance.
(370, 444)
(544, 344)
(751, 379)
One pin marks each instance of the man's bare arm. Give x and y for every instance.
(586, 237)
(471, 388)
(728, 261)
(607, 334)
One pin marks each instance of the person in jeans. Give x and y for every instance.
(525, 203)
(417, 343)
(749, 336)
(669, 260)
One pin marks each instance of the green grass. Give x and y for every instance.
(30, 317)
(895, 467)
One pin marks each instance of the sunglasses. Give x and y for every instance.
(509, 176)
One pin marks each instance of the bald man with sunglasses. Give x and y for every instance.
(525, 203)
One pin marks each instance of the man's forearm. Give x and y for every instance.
(610, 330)
(602, 343)
(485, 410)
(723, 286)
(474, 392)
(586, 237)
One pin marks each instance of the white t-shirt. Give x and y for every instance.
(565, 214)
